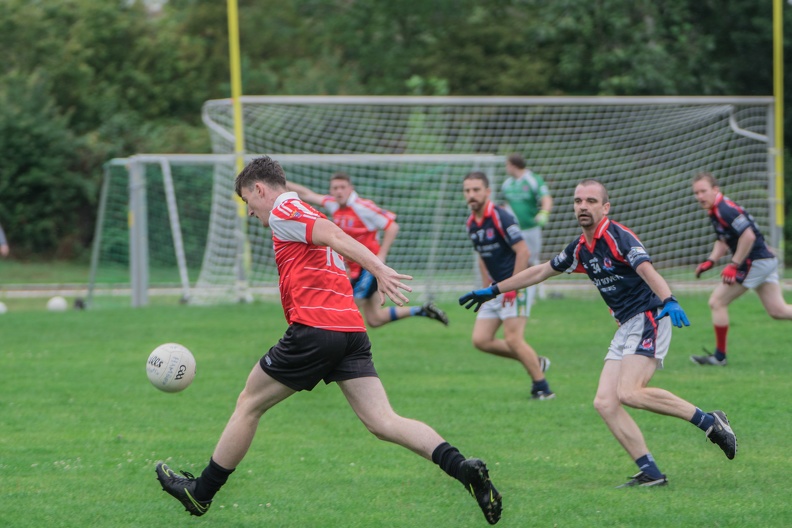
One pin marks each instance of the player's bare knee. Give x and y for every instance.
(383, 428)
(481, 343)
(515, 342)
(245, 405)
(374, 322)
(780, 313)
(631, 398)
(605, 406)
(375, 317)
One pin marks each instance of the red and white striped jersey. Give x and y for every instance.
(362, 220)
(314, 287)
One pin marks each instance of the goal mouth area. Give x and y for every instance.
(410, 154)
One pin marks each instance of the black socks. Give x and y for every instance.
(448, 458)
(211, 480)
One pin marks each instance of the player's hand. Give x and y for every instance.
(704, 266)
(478, 297)
(389, 282)
(509, 298)
(672, 309)
(729, 273)
(541, 218)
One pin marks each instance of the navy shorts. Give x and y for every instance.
(365, 286)
(305, 355)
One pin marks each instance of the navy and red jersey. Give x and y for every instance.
(314, 287)
(730, 221)
(493, 239)
(610, 263)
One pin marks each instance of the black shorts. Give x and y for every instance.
(305, 355)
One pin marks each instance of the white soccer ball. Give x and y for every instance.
(170, 367)
(57, 304)
(3, 308)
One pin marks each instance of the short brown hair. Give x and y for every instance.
(517, 160)
(477, 175)
(341, 176)
(705, 176)
(592, 181)
(263, 169)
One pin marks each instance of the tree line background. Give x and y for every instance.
(83, 81)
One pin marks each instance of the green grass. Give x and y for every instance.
(44, 272)
(81, 428)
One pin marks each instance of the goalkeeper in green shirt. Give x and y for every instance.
(528, 197)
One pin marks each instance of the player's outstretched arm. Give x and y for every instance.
(528, 277)
(305, 193)
(389, 281)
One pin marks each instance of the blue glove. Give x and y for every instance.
(478, 297)
(672, 309)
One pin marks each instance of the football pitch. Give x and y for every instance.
(81, 428)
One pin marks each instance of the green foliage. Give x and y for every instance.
(83, 428)
(44, 196)
(112, 79)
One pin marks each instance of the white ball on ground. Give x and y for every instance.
(3, 308)
(57, 304)
(170, 367)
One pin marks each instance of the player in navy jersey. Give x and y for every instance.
(325, 341)
(640, 299)
(752, 265)
(502, 252)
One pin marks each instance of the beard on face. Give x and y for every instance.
(474, 205)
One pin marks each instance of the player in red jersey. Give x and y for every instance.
(363, 220)
(326, 341)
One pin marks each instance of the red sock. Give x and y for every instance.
(720, 337)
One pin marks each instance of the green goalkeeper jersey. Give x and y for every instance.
(524, 196)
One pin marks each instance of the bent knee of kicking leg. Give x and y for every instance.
(246, 405)
(383, 427)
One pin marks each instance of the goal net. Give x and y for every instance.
(184, 223)
(409, 154)
(644, 149)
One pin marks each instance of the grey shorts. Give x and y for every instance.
(644, 335)
(761, 271)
